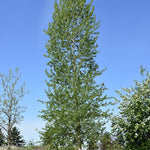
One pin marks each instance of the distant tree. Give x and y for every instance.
(2, 138)
(74, 114)
(106, 141)
(132, 125)
(15, 138)
(10, 110)
(31, 143)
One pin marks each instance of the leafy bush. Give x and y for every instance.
(132, 126)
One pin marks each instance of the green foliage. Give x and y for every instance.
(74, 113)
(106, 141)
(2, 138)
(133, 123)
(109, 143)
(10, 110)
(31, 143)
(15, 137)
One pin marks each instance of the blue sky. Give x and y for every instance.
(124, 44)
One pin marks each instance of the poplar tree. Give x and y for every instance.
(73, 114)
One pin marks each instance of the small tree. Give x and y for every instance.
(2, 138)
(133, 123)
(31, 143)
(10, 110)
(15, 138)
(106, 141)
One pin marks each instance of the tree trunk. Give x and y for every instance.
(8, 134)
(8, 142)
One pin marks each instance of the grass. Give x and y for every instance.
(24, 148)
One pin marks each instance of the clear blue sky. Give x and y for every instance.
(124, 44)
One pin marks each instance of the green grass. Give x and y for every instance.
(24, 148)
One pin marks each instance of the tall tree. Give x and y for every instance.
(74, 113)
(10, 109)
(2, 138)
(15, 138)
(133, 123)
